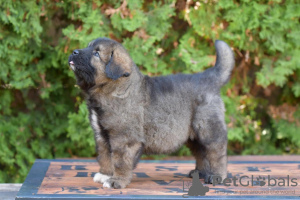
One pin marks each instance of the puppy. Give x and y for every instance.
(132, 114)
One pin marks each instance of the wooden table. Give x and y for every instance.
(72, 179)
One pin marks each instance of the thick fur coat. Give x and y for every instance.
(132, 114)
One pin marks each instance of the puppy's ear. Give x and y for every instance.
(118, 65)
(112, 69)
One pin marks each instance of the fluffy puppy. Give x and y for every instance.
(132, 114)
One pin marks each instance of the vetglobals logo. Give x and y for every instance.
(196, 188)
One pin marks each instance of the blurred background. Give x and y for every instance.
(43, 113)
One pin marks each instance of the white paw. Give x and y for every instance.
(100, 178)
(106, 184)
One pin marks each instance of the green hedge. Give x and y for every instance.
(43, 114)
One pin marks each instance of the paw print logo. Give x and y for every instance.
(261, 180)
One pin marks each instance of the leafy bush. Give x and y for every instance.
(43, 114)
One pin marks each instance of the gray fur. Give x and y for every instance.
(140, 114)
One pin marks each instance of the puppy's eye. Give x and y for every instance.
(126, 74)
(96, 53)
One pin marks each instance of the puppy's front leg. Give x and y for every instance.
(102, 146)
(124, 158)
(104, 160)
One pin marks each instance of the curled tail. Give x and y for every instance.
(224, 63)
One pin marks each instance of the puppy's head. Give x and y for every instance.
(104, 61)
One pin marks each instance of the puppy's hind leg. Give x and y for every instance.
(210, 127)
(197, 150)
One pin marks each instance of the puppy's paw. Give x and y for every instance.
(191, 172)
(210, 178)
(100, 178)
(115, 183)
(106, 184)
(201, 174)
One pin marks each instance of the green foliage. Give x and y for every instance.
(79, 130)
(43, 114)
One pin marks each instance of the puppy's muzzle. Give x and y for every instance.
(71, 63)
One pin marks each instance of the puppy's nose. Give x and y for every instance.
(75, 52)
